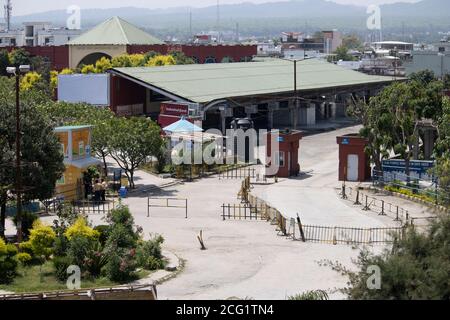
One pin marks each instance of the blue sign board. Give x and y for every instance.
(346, 141)
(280, 139)
(418, 168)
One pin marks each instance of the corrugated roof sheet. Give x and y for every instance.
(115, 31)
(208, 82)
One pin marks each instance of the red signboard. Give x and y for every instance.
(174, 109)
(165, 120)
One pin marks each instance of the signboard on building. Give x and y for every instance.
(171, 112)
(418, 169)
(84, 88)
(175, 109)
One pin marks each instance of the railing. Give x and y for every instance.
(53, 207)
(354, 236)
(173, 203)
(94, 207)
(257, 209)
(238, 173)
(243, 212)
(382, 207)
(428, 188)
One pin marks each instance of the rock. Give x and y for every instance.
(171, 268)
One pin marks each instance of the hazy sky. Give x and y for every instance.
(21, 7)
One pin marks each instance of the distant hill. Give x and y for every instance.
(263, 18)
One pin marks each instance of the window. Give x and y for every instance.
(62, 180)
(63, 150)
(13, 41)
(280, 159)
(81, 148)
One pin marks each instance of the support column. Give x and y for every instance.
(428, 144)
(272, 106)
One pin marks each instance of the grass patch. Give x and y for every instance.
(42, 279)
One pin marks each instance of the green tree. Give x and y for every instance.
(352, 42)
(424, 77)
(376, 121)
(342, 54)
(4, 62)
(181, 58)
(132, 141)
(41, 152)
(19, 57)
(416, 267)
(62, 113)
(447, 81)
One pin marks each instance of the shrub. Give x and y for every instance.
(311, 295)
(61, 265)
(42, 239)
(103, 233)
(121, 237)
(61, 246)
(148, 254)
(26, 247)
(122, 216)
(8, 263)
(24, 259)
(121, 265)
(81, 229)
(79, 248)
(28, 218)
(95, 260)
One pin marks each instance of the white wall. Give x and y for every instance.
(88, 88)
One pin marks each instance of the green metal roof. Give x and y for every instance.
(209, 82)
(115, 31)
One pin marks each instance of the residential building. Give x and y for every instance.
(34, 34)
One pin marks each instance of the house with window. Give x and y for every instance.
(76, 146)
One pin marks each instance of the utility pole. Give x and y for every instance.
(190, 24)
(218, 22)
(296, 96)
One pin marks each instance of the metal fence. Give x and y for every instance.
(427, 188)
(173, 203)
(238, 173)
(53, 207)
(380, 206)
(294, 229)
(243, 212)
(354, 236)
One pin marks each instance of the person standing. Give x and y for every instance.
(103, 191)
(97, 190)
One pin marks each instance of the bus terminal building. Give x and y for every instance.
(265, 91)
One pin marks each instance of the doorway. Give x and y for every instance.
(352, 167)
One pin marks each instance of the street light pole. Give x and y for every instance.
(16, 72)
(18, 162)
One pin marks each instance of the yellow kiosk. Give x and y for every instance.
(76, 147)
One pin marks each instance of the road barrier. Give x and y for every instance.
(257, 209)
(243, 212)
(173, 203)
(382, 207)
(238, 173)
